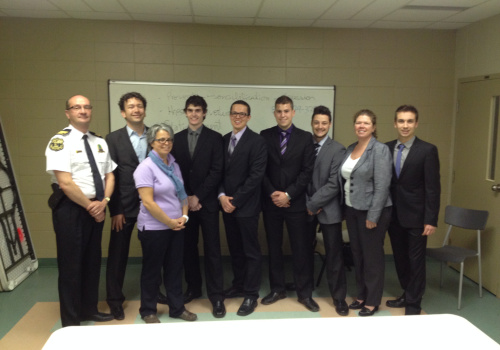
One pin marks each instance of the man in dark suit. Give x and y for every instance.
(323, 204)
(289, 169)
(198, 151)
(415, 191)
(245, 158)
(127, 147)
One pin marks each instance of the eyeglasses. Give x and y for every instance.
(78, 107)
(164, 140)
(238, 114)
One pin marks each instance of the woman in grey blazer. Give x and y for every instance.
(366, 174)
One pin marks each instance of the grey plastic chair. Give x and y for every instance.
(468, 219)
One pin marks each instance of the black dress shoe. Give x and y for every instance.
(310, 304)
(233, 292)
(397, 303)
(118, 313)
(162, 299)
(273, 297)
(356, 305)
(189, 296)
(219, 309)
(247, 307)
(367, 312)
(98, 317)
(341, 307)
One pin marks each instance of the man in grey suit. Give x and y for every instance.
(323, 204)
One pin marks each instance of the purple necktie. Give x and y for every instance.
(283, 142)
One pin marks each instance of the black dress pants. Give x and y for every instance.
(302, 254)
(408, 246)
(78, 240)
(246, 259)
(118, 249)
(209, 222)
(161, 249)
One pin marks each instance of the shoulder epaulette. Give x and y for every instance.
(96, 135)
(64, 132)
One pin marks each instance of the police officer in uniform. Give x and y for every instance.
(82, 181)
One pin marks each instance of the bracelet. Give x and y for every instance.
(186, 217)
(108, 199)
(288, 196)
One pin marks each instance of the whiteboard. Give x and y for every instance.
(166, 101)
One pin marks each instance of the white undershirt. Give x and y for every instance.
(346, 171)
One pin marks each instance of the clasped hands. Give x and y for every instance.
(97, 210)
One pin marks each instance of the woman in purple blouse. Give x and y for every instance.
(160, 223)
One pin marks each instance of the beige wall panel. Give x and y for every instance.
(344, 39)
(341, 58)
(266, 76)
(115, 71)
(192, 35)
(230, 56)
(267, 57)
(304, 76)
(154, 72)
(307, 58)
(192, 74)
(113, 31)
(114, 52)
(301, 38)
(340, 77)
(377, 77)
(153, 53)
(153, 33)
(198, 55)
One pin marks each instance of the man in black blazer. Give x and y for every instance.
(323, 204)
(415, 191)
(289, 169)
(198, 151)
(127, 147)
(245, 158)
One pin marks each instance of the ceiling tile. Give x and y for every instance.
(338, 23)
(114, 16)
(294, 9)
(230, 21)
(162, 18)
(167, 7)
(283, 22)
(27, 5)
(224, 8)
(105, 5)
(71, 5)
(380, 9)
(36, 13)
(345, 9)
(418, 15)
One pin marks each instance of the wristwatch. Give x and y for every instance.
(186, 217)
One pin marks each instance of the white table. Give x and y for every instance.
(391, 332)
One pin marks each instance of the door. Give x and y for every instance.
(476, 168)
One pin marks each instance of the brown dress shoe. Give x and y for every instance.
(187, 316)
(151, 319)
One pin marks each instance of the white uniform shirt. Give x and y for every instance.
(66, 152)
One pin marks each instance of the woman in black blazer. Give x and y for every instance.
(366, 173)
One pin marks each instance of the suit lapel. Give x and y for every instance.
(365, 154)
(202, 138)
(412, 154)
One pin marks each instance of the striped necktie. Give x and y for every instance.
(398, 159)
(283, 143)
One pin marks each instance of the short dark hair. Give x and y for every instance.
(196, 101)
(240, 102)
(284, 100)
(128, 96)
(369, 113)
(322, 110)
(406, 108)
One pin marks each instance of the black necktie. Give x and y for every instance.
(99, 188)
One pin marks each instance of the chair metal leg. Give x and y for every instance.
(460, 285)
(480, 276)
